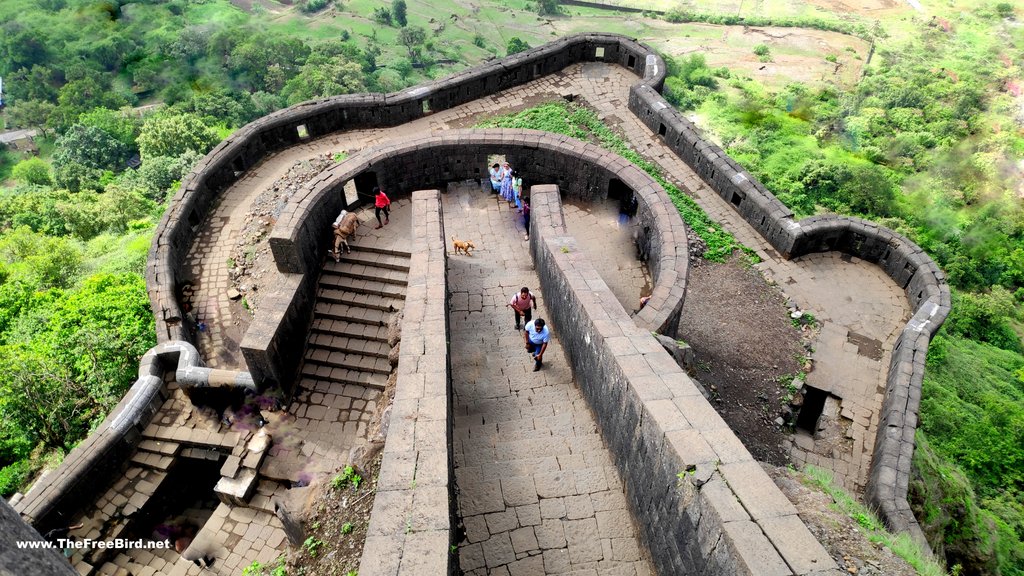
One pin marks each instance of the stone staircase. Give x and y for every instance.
(355, 299)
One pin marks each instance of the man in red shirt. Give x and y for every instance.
(522, 303)
(383, 204)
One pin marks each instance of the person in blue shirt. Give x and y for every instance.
(536, 337)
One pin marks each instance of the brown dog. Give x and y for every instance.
(466, 246)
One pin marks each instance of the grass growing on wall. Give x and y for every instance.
(581, 123)
(900, 544)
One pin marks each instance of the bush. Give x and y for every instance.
(32, 171)
(398, 10)
(312, 6)
(13, 477)
(516, 45)
(478, 41)
(762, 50)
(382, 15)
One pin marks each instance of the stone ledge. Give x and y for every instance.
(411, 523)
(703, 504)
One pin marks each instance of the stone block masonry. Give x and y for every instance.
(905, 262)
(410, 530)
(247, 147)
(704, 504)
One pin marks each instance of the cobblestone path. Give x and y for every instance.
(538, 493)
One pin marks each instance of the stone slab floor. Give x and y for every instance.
(538, 493)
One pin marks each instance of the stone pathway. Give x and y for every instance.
(538, 493)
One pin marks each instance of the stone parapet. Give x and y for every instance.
(247, 147)
(410, 531)
(582, 171)
(103, 452)
(704, 505)
(905, 262)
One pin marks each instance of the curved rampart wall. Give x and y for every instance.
(905, 262)
(251, 144)
(702, 503)
(104, 451)
(299, 239)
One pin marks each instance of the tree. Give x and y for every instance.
(73, 356)
(36, 83)
(32, 171)
(121, 126)
(265, 62)
(324, 78)
(548, 7)
(174, 134)
(31, 114)
(516, 45)
(83, 95)
(382, 15)
(83, 153)
(398, 10)
(411, 37)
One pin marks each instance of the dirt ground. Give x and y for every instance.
(745, 348)
(335, 523)
(837, 532)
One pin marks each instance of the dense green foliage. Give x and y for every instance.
(928, 145)
(582, 123)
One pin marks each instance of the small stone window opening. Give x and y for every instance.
(631, 62)
(736, 199)
(302, 132)
(426, 106)
(662, 130)
(599, 53)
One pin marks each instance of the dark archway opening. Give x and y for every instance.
(814, 404)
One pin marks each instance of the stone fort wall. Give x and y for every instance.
(904, 261)
(585, 170)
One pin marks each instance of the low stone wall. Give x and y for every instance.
(104, 451)
(904, 262)
(410, 530)
(704, 505)
(299, 239)
(247, 147)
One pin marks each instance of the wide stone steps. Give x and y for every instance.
(326, 328)
(370, 286)
(341, 376)
(340, 359)
(347, 342)
(372, 301)
(363, 272)
(352, 314)
(361, 257)
(321, 343)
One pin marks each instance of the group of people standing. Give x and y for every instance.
(508, 185)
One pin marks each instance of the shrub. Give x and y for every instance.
(312, 6)
(382, 16)
(516, 45)
(14, 476)
(762, 50)
(32, 171)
